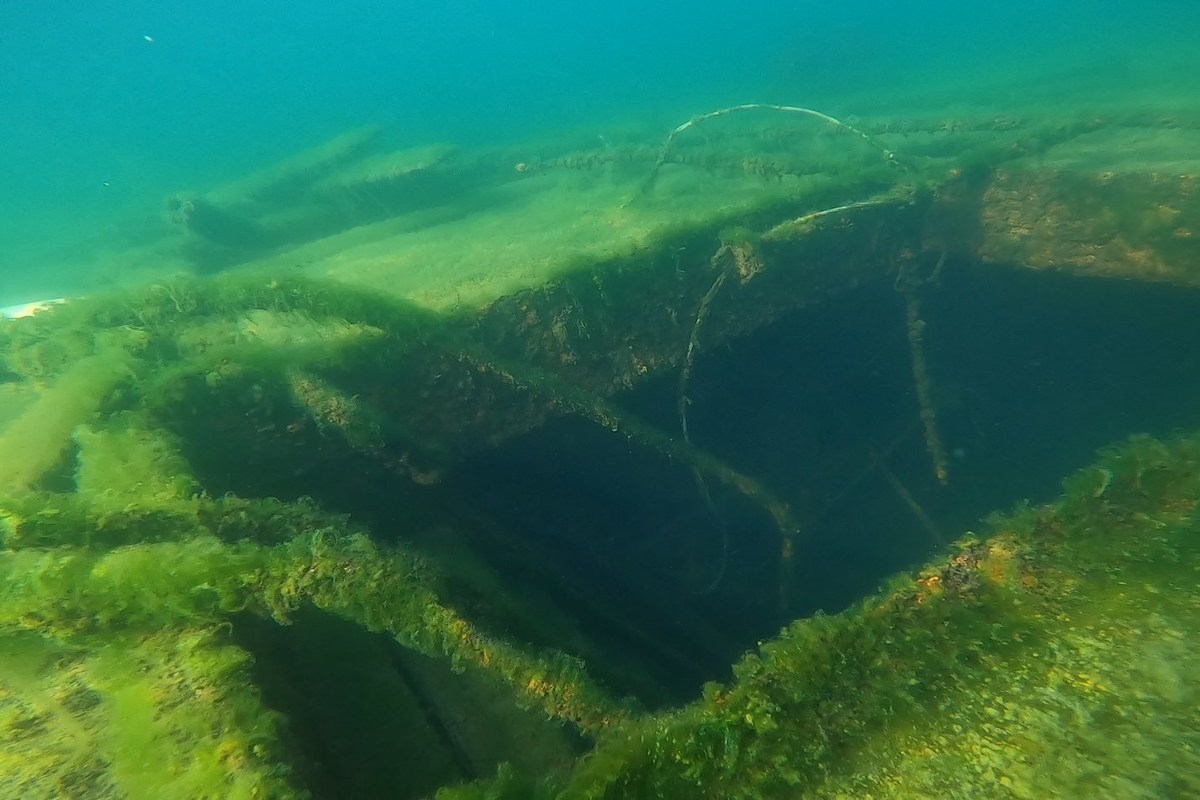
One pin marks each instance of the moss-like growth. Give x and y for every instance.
(172, 714)
(126, 464)
(35, 442)
(1020, 642)
(65, 592)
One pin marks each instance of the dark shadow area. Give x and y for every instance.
(1032, 371)
(653, 575)
(372, 719)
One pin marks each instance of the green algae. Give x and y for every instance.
(1061, 631)
(136, 570)
(42, 433)
(63, 592)
(167, 715)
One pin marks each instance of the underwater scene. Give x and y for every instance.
(523, 400)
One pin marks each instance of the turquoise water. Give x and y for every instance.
(106, 109)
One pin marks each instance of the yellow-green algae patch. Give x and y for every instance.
(171, 714)
(534, 231)
(34, 442)
(448, 229)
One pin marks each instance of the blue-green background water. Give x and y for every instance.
(105, 108)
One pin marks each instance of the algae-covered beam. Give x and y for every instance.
(35, 442)
(64, 592)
